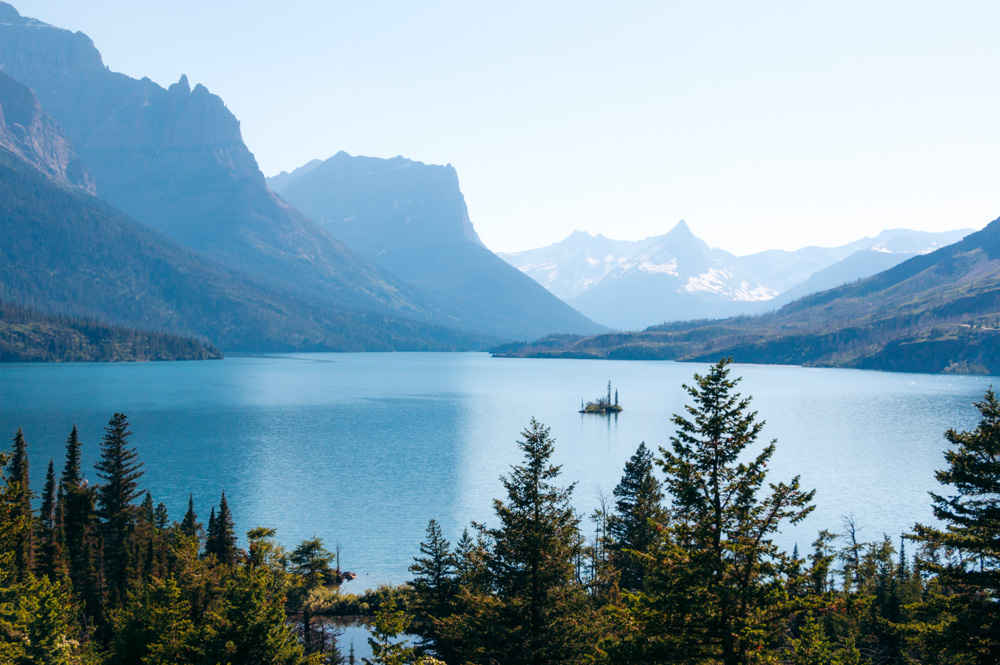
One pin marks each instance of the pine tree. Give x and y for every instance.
(249, 625)
(50, 560)
(76, 507)
(19, 484)
(969, 579)
(310, 563)
(389, 623)
(541, 610)
(72, 473)
(190, 526)
(716, 591)
(120, 469)
(10, 530)
(221, 540)
(632, 528)
(434, 586)
(162, 517)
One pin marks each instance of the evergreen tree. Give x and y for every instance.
(389, 622)
(539, 612)
(310, 563)
(42, 621)
(434, 586)
(18, 481)
(147, 513)
(221, 540)
(162, 517)
(80, 532)
(968, 579)
(72, 473)
(50, 560)
(10, 528)
(249, 624)
(632, 528)
(190, 526)
(716, 589)
(155, 627)
(120, 469)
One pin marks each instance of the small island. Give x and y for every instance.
(602, 405)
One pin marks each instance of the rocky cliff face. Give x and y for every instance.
(411, 219)
(174, 159)
(26, 131)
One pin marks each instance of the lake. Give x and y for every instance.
(363, 449)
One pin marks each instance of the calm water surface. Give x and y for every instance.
(363, 449)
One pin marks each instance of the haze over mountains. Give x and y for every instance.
(931, 313)
(174, 160)
(631, 285)
(411, 220)
(359, 253)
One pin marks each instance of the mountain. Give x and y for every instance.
(278, 182)
(28, 336)
(411, 220)
(175, 159)
(29, 133)
(677, 276)
(935, 312)
(65, 252)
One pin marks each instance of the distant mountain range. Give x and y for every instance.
(631, 285)
(936, 312)
(174, 160)
(410, 219)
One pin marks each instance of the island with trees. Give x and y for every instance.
(602, 405)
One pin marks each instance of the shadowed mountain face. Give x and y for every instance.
(410, 219)
(63, 251)
(175, 160)
(677, 276)
(932, 313)
(30, 134)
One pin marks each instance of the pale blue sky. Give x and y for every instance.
(763, 124)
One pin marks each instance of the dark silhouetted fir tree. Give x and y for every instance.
(221, 541)
(120, 469)
(632, 526)
(968, 574)
(19, 483)
(434, 587)
(49, 557)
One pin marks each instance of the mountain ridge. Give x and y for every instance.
(174, 158)
(677, 276)
(411, 219)
(935, 312)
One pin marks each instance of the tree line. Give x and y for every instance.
(683, 568)
(99, 574)
(678, 566)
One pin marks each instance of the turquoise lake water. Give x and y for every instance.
(363, 449)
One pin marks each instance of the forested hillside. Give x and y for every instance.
(174, 159)
(62, 251)
(27, 336)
